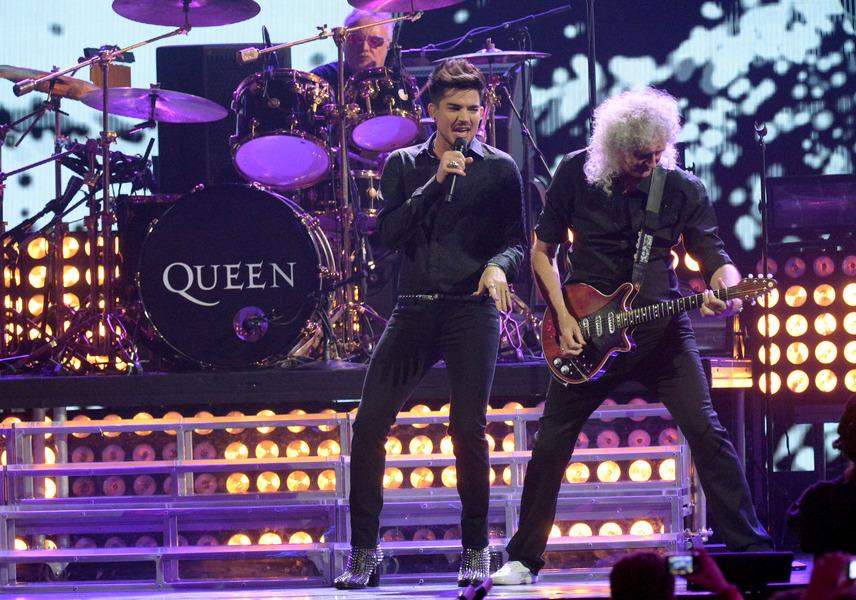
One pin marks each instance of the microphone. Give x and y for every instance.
(462, 146)
(760, 129)
(24, 86)
(247, 55)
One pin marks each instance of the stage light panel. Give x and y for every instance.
(774, 325)
(268, 482)
(270, 538)
(577, 473)
(775, 354)
(826, 380)
(267, 449)
(610, 528)
(421, 444)
(608, 471)
(797, 353)
(824, 295)
(421, 477)
(327, 480)
(667, 469)
(297, 448)
(580, 530)
(826, 352)
(796, 325)
(392, 478)
(796, 296)
(38, 276)
(797, 381)
(264, 413)
(329, 448)
(639, 470)
(393, 446)
(641, 528)
(70, 276)
(238, 483)
(70, 246)
(36, 304)
(825, 324)
(776, 382)
(236, 451)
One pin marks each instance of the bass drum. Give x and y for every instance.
(231, 274)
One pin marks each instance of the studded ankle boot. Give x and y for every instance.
(363, 569)
(475, 567)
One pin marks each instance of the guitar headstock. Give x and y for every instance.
(752, 286)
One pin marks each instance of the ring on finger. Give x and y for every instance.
(452, 164)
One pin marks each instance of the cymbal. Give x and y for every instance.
(401, 5)
(202, 13)
(170, 107)
(65, 86)
(495, 55)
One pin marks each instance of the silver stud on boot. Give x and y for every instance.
(475, 567)
(362, 570)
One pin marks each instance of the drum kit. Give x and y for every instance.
(231, 275)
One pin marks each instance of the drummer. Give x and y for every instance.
(364, 49)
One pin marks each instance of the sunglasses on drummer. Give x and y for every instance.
(358, 39)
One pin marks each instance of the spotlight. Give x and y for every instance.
(797, 381)
(270, 538)
(392, 478)
(796, 296)
(203, 415)
(641, 528)
(555, 531)
(449, 476)
(580, 530)
(825, 380)
(264, 413)
(142, 416)
(327, 480)
(420, 409)
(300, 537)
(297, 448)
(234, 430)
(776, 382)
(797, 353)
(826, 352)
(446, 445)
(825, 324)
(511, 406)
(393, 446)
(508, 443)
(824, 295)
(796, 325)
(774, 325)
(268, 481)
(267, 449)
(421, 444)
(608, 471)
(667, 469)
(421, 477)
(236, 451)
(639, 470)
(577, 473)
(775, 354)
(326, 428)
(239, 539)
(772, 296)
(238, 483)
(296, 428)
(610, 528)
(329, 448)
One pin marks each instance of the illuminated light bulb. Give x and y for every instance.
(269, 538)
(667, 469)
(203, 415)
(849, 323)
(9, 421)
(610, 528)
(797, 353)
(392, 478)
(691, 263)
(775, 354)
(608, 438)
(21, 544)
(326, 428)
(824, 295)
(775, 379)
(577, 473)
(236, 451)
(300, 537)
(297, 481)
(491, 443)
(641, 528)
(796, 325)
(393, 446)
(267, 449)
(605, 404)
(327, 480)
(142, 416)
(511, 407)
(172, 416)
(639, 470)
(238, 483)
(580, 530)
(449, 476)
(826, 352)
(423, 534)
(239, 539)
(419, 409)
(796, 296)
(491, 475)
(3, 458)
(421, 477)
(825, 324)
(421, 444)
(825, 380)
(297, 448)
(268, 481)
(88, 275)
(329, 448)
(111, 434)
(638, 438)
(608, 471)
(235, 430)
(850, 380)
(36, 305)
(204, 484)
(70, 246)
(50, 488)
(72, 301)
(508, 443)
(555, 531)
(850, 352)
(264, 413)
(797, 381)
(296, 428)
(772, 296)
(446, 445)
(848, 294)
(70, 276)
(445, 409)
(506, 475)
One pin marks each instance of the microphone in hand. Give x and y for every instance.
(461, 145)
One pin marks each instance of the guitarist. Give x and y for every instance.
(600, 193)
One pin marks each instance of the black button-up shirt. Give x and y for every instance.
(445, 246)
(606, 230)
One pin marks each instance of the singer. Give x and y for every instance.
(459, 249)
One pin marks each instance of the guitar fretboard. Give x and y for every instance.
(668, 308)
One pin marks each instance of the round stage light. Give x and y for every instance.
(171, 416)
(491, 443)
(577, 473)
(446, 445)
(849, 323)
(71, 301)
(267, 449)
(506, 475)
(265, 413)
(797, 353)
(638, 438)
(423, 534)
(238, 483)
(775, 354)
(826, 352)
(797, 381)
(850, 380)
(203, 415)
(610, 528)
(580, 530)
(825, 380)
(70, 276)
(270, 538)
(20, 544)
(608, 471)
(772, 296)
(608, 438)
(38, 248)
(88, 276)
(850, 352)
(641, 528)
(774, 325)
(296, 428)
(491, 476)
(796, 325)
(849, 294)
(449, 476)
(825, 324)
(392, 478)
(508, 443)
(297, 448)
(329, 448)
(142, 416)
(235, 430)
(70, 247)
(511, 407)
(421, 444)
(268, 481)
(775, 379)
(823, 266)
(36, 304)
(239, 539)
(393, 446)
(421, 477)
(300, 537)
(392, 535)
(824, 295)
(50, 488)
(80, 420)
(667, 469)
(639, 470)
(419, 410)
(112, 418)
(555, 531)
(796, 296)
(332, 413)
(327, 480)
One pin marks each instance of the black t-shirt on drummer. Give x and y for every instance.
(446, 245)
(330, 73)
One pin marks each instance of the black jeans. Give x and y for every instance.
(466, 336)
(668, 364)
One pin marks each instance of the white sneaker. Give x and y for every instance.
(513, 573)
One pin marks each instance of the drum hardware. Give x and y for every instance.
(401, 5)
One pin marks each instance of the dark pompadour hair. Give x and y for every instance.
(454, 74)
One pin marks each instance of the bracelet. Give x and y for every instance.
(493, 264)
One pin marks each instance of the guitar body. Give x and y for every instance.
(603, 343)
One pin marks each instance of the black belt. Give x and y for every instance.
(417, 298)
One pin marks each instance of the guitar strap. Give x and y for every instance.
(650, 224)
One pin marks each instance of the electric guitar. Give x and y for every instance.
(606, 323)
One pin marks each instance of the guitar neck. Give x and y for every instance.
(668, 308)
